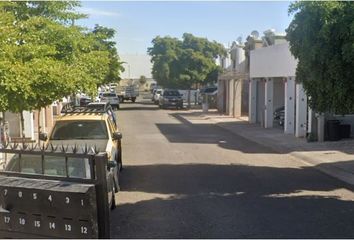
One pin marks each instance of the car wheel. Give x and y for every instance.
(117, 107)
(133, 100)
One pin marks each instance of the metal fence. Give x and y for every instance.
(36, 202)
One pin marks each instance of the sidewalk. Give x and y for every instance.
(333, 158)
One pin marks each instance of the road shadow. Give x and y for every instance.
(206, 133)
(231, 201)
(280, 143)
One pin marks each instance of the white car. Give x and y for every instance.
(156, 96)
(112, 98)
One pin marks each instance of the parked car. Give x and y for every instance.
(94, 125)
(84, 101)
(170, 98)
(130, 92)
(111, 98)
(156, 95)
(113, 85)
(207, 91)
(279, 115)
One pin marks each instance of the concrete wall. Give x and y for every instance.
(272, 61)
(14, 120)
(260, 101)
(14, 124)
(237, 98)
(245, 97)
(279, 93)
(220, 97)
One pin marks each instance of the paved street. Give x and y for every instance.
(187, 178)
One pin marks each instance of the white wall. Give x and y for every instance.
(272, 61)
(29, 124)
(136, 65)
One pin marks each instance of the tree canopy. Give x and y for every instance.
(45, 57)
(182, 63)
(321, 37)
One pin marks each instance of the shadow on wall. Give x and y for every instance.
(233, 201)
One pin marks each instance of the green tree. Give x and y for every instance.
(321, 37)
(44, 57)
(182, 63)
(103, 37)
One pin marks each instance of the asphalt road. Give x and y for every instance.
(185, 178)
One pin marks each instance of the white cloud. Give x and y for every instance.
(98, 12)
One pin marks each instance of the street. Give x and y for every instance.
(187, 178)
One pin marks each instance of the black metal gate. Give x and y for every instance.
(36, 203)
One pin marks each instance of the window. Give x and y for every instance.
(171, 93)
(69, 130)
(53, 166)
(109, 95)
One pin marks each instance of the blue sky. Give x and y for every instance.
(137, 23)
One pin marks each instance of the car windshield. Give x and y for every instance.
(210, 90)
(109, 95)
(171, 93)
(68, 130)
(54, 166)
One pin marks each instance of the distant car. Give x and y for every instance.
(112, 98)
(209, 91)
(170, 98)
(156, 96)
(113, 85)
(84, 101)
(279, 115)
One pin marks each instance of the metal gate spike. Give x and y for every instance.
(74, 148)
(51, 147)
(86, 149)
(13, 146)
(62, 148)
(24, 146)
(96, 150)
(33, 147)
(43, 147)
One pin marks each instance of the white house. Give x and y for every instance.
(273, 85)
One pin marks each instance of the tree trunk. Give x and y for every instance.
(39, 124)
(22, 126)
(2, 131)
